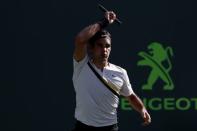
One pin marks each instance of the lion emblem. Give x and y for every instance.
(154, 59)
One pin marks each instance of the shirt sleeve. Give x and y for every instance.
(77, 66)
(126, 89)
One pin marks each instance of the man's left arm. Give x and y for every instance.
(138, 105)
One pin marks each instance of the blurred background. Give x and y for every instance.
(36, 46)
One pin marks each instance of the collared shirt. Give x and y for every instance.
(95, 104)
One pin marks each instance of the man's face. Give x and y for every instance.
(101, 49)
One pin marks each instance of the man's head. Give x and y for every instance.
(100, 45)
(100, 34)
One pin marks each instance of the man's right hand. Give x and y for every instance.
(110, 16)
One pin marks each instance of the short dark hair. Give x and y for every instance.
(100, 34)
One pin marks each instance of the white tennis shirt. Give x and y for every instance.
(95, 104)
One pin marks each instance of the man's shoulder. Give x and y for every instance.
(116, 67)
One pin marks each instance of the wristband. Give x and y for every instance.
(103, 23)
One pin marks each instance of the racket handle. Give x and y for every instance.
(102, 8)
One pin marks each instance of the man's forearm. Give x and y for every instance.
(136, 102)
(87, 33)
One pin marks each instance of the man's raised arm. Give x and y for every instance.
(82, 39)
